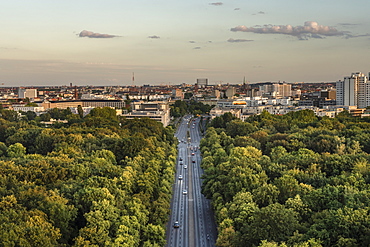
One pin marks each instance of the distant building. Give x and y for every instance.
(23, 108)
(276, 89)
(177, 93)
(216, 93)
(354, 90)
(329, 94)
(159, 111)
(202, 82)
(230, 92)
(88, 96)
(84, 103)
(27, 93)
(85, 110)
(217, 112)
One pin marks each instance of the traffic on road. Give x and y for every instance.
(191, 222)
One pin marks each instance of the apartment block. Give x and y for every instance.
(354, 90)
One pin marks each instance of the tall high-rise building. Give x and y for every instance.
(354, 90)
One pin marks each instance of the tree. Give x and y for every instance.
(155, 234)
(80, 111)
(227, 235)
(3, 149)
(242, 209)
(342, 227)
(30, 115)
(239, 128)
(272, 223)
(265, 195)
(288, 187)
(16, 150)
(221, 122)
(45, 117)
(9, 115)
(244, 141)
(188, 95)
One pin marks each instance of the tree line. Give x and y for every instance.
(100, 180)
(181, 108)
(291, 180)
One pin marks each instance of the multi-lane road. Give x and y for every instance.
(191, 222)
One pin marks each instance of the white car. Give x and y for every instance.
(185, 166)
(176, 224)
(184, 192)
(180, 177)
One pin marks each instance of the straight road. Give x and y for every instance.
(190, 210)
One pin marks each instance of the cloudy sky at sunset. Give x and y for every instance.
(95, 42)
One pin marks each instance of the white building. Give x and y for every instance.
(27, 93)
(217, 112)
(159, 111)
(276, 89)
(325, 113)
(85, 110)
(282, 110)
(279, 101)
(89, 96)
(354, 90)
(28, 108)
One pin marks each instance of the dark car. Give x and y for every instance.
(193, 161)
(176, 224)
(180, 159)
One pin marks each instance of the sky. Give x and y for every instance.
(96, 42)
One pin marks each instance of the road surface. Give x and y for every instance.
(190, 209)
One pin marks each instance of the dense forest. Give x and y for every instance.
(291, 180)
(97, 181)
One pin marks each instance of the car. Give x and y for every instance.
(180, 177)
(185, 166)
(180, 159)
(180, 163)
(176, 224)
(192, 154)
(184, 192)
(193, 161)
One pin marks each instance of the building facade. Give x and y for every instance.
(27, 93)
(276, 89)
(203, 82)
(84, 103)
(354, 90)
(159, 111)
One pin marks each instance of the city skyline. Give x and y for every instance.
(103, 43)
